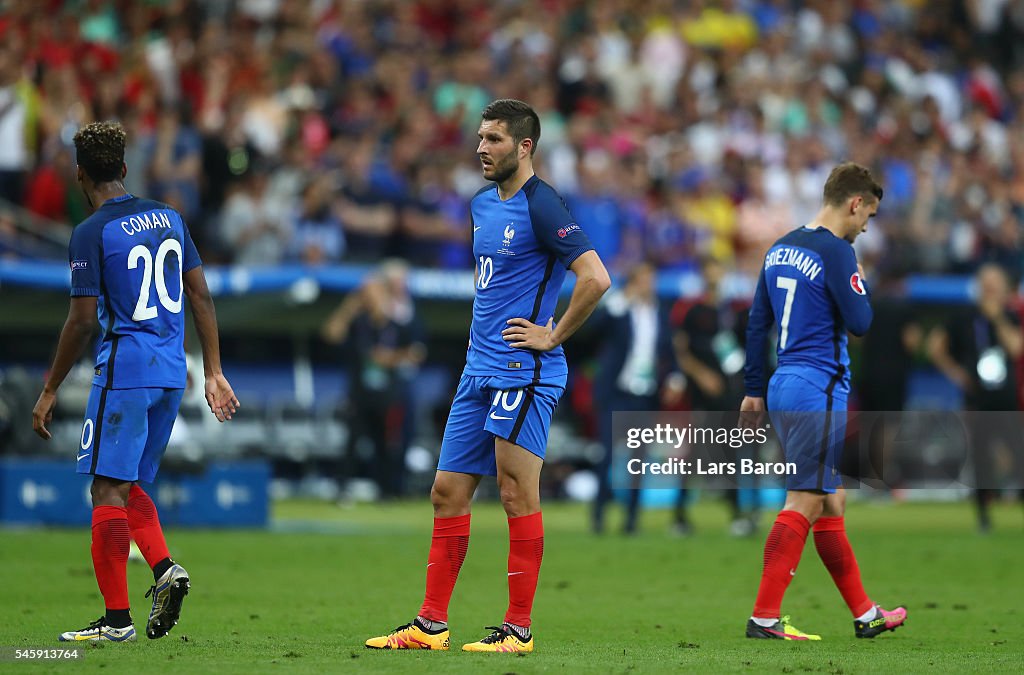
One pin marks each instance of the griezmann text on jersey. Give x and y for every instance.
(810, 287)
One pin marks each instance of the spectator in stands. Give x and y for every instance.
(227, 155)
(759, 222)
(317, 236)
(979, 351)
(435, 231)
(174, 156)
(642, 111)
(251, 230)
(596, 204)
(710, 211)
(666, 237)
(792, 87)
(16, 130)
(368, 215)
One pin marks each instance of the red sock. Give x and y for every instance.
(145, 526)
(111, 539)
(525, 551)
(837, 554)
(447, 551)
(781, 556)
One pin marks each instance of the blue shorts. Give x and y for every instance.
(485, 407)
(126, 431)
(811, 425)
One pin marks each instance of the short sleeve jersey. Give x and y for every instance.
(522, 247)
(131, 255)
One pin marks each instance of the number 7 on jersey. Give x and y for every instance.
(790, 287)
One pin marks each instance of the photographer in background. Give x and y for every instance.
(379, 331)
(979, 352)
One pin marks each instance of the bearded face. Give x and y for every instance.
(498, 151)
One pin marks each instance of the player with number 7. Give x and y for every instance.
(812, 286)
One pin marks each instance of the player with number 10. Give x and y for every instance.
(132, 263)
(524, 240)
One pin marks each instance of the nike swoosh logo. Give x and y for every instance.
(514, 573)
(792, 572)
(429, 564)
(81, 457)
(499, 417)
(784, 635)
(477, 228)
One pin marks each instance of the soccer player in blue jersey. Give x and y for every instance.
(523, 241)
(813, 288)
(132, 261)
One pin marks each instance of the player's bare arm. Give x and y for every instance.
(752, 409)
(592, 281)
(219, 394)
(74, 338)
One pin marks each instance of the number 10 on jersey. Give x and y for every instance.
(485, 270)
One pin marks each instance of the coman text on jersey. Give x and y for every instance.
(145, 221)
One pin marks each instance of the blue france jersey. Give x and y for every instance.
(810, 287)
(131, 254)
(522, 248)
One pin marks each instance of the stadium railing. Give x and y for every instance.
(304, 284)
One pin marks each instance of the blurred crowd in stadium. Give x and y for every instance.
(322, 131)
(685, 134)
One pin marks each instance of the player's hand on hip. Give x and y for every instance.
(751, 412)
(42, 413)
(220, 397)
(523, 334)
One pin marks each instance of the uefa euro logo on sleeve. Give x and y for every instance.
(564, 232)
(857, 284)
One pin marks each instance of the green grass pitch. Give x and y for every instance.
(303, 597)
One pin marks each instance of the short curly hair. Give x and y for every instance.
(99, 148)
